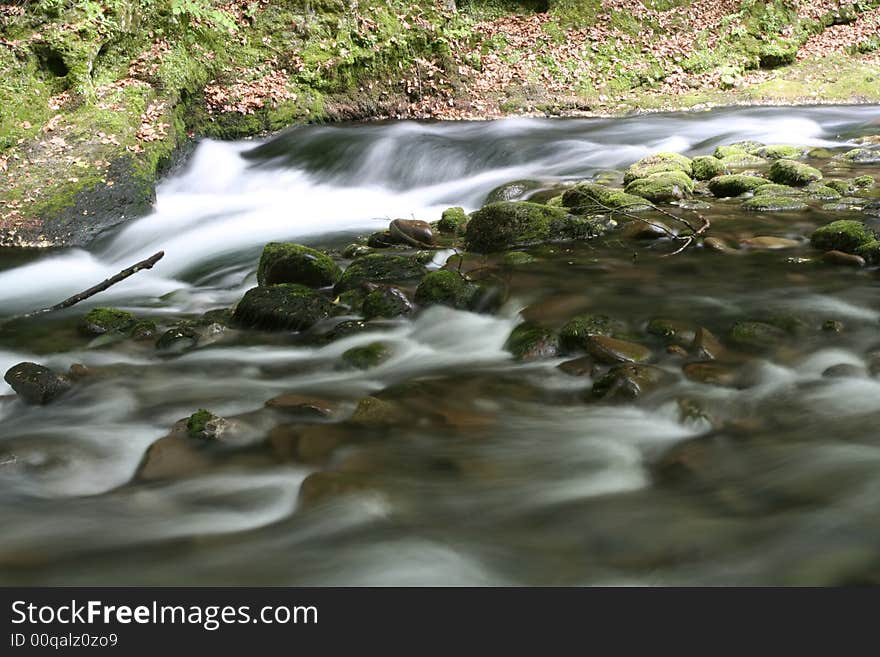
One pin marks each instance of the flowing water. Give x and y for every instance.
(521, 480)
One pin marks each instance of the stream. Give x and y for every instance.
(499, 472)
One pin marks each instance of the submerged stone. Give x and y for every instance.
(379, 268)
(287, 262)
(658, 163)
(36, 384)
(769, 242)
(99, 321)
(844, 235)
(510, 224)
(367, 356)
(843, 259)
(795, 174)
(530, 342)
(734, 184)
(282, 307)
(662, 187)
(756, 336)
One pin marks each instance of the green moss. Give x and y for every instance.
(379, 268)
(282, 307)
(286, 262)
(796, 174)
(518, 258)
(706, 167)
(870, 251)
(197, 424)
(843, 235)
(530, 342)
(736, 148)
(662, 187)
(446, 288)
(658, 163)
(452, 221)
(864, 182)
(861, 156)
(767, 203)
(735, 184)
(756, 336)
(367, 356)
(573, 336)
(586, 198)
(387, 302)
(107, 320)
(501, 226)
(780, 152)
(774, 189)
(822, 192)
(742, 161)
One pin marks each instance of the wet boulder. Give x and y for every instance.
(662, 187)
(530, 341)
(510, 224)
(671, 331)
(204, 425)
(379, 268)
(734, 184)
(303, 406)
(844, 235)
(610, 351)
(36, 384)
(742, 161)
(870, 252)
(412, 232)
(842, 259)
(586, 198)
(794, 174)
(282, 307)
(512, 191)
(756, 336)
(706, 167)
(324, 485)
(727, 150)
(658, 163)
(386, 302)
(178, 339)
(100, 321)
(286, 262)
(446, 288)
(629, 381)
(452, 221)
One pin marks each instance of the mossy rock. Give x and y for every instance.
(864, 182)
(778, 52)
(843, 235)
(844, 186)
(780, 152)
(286, 306)
(737, 147)
(367, 356)
(861, 156)
(387, 302)
(822, 192)
(518, 258)
(671, 331)
(795, 174)
(706, 167)
(743, 161)
(586, 198)
(512, 191)
(178, 339)
(766, 203)
(36, 384)
(774, 189)
(756, 336)
(379, 268)
(734, 184)
(870, 252)
(658, 163)
(662, 187)
(204, 425)
(287, 262)
(99, 321)
(446, 288)
(452, 221)
(144, 329)
(529, 341)
(501, 226)
(574, 335)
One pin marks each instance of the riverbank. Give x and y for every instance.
(100, 101)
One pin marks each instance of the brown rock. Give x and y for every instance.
(705, 345)
(611, 350)
(843, 259)
(584, 366)
(770, 243)
(412, 232)
(303, 405)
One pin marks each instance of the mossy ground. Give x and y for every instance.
(96, 99)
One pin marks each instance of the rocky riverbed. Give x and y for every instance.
(660, 368)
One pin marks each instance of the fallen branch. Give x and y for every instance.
(100, 287)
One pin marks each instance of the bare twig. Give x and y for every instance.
(100, 287)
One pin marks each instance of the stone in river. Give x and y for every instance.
(411, 231)
(845, 370)
(611, 350)
(530, 342)
(287, 262)
(712, 372)
(36, 384)
(843, 259)
(768, 242)
(303, 405)
(627, 382)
